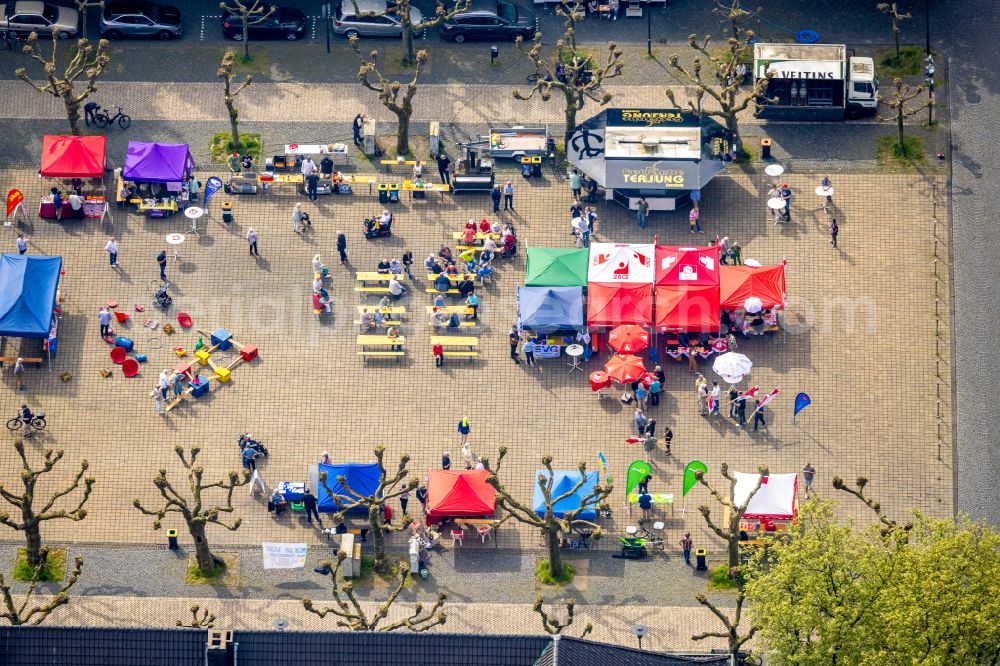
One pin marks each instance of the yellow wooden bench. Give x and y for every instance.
(385, 322)
(466, 248)
(430, 290)
(461, 324)
(381, 354)
(458, 235)
(13, 359)
(451, 309)
(454, 278)
(373, 290)
(378, 308)
(461, 354)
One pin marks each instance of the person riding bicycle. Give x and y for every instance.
(90, 112)
(27, 417)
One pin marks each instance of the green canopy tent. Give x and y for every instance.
(557, 267)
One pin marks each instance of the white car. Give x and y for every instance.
(26, 16)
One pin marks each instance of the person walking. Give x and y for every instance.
(444, 167)
(693, 221)
(104, 319)
(467, 456)
(161, 259)
(741, 412)
(668, 437)
(463, 429)
(496, 195)
(404, 499)
(576, 183)
(786, 196)
(808, 474)
(529, 352)
(298, 217)
(158, 402)
(357, 126)
(310, 503)
(508, 196)
(21, 243)
(640, 421)
(514, 339)
(112, 249)
(834, 230)
(18, 372)
(342, 246)
(686, 545)
(716, 397)
(445, 461)
(252, 240)
(163, 383)
(702, 397)
(642, 211)
(758, 416)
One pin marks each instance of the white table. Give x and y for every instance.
(826, 193)
(776, 205)
(574, 351)
(774, 170)
(175, 240)
(194, 213)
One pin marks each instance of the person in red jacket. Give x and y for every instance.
(387, 514)
(438, 355)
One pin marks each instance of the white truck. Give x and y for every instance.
(814, 82)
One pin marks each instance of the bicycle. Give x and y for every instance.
(652, 538)
(37, 422)
(103, 119)
(11, 40)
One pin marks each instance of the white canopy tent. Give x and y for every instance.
(624, 263)
(776, 498)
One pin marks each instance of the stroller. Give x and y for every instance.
(376, 229)
(246, 440)
(160, 296)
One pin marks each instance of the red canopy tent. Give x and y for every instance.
(614, 304)
(687, 266)
(741, 282)
(458, 493)
(73, 156)
(687, 309)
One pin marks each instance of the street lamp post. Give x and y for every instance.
(929, 80)
(927, 24)
(649, 30)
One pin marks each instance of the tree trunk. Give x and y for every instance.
(895, 33)
(72, 115)
(378, 539)
(733, 125)
(33, 536)
(234, 124)
(411, 54)
(246, 40)
(83, 21)
(571, 109)
(555, 555)
(206, 561)
(899, 122)
(734, 552)
(403, 131)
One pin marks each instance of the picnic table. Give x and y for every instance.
(450, 309)
(365, 341)
(392, 309)
(447, 341)
(480, 236)
(411, 187)
(364, 277)
(454, 278)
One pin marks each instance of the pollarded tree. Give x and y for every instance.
(201, 618)
(724, 81)
(898, 103)
(26, 503)
(61, 73)
(568, 70)
(197, 514)
(553, 625)
(389, 92)
(352, 616)
(18, 614)
(551, 525)
(734, 639)
(83, 6)
(402, 9)
(892, 12)
(251, 12)
(730, 532)
(225, 73)
(389, 487)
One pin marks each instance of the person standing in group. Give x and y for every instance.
(418, 170)
(733, 395)
(575, 209)
(467, 456)
(786, 196)
(234, 162)
(741, 412)
(308, 167)
(298, 217)
(21, 243)
(496, 195)
(112, 249)
(161, 259)
(701, 388)
(642, 211)
(357, 126)
(444, 165)
(421, 494)
(463, 429)
(104, 319)
(326, 168)
(252, 240)
(686, 545)
(164, 383)
(158, 402)
(312, 186)
(247, 163)
(445, 461)
(178, 385)
(76, 204)
(723, 250)
(834, 230)
(57, 201)
(514, 339)
(576, 183)
(758, 416)
(508, 196)
(640, 421)
(342, 246)
(404, 499)
(310, 504)
(18, 372)
(716, 397)
(736, 253)
(693, 220)
(591, 190)
(655, 387)
(808, 474)
(641, 393)
(529, 352)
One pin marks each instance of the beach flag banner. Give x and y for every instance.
(690, 480)
(801, 402)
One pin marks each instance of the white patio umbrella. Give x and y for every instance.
(732, 367)
(753, 305)
(752, 263)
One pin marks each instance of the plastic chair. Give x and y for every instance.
(484, 533)
(457, 535)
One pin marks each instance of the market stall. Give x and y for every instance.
(687, 289)
(160, 174)
(772, 506)
(556, 267)
(614, 304)
(739, 283)
(551, 317)
(458, 494)
(74, 158)
(29, 298)
(362, 478)
(563, 482)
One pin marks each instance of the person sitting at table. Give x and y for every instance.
(469, 235)
(757, 324)
(472, 302)
(484, 272)
(466, 255)
(393, 334)
(437, 318)
(438, 301)
(396, 289)
(453, 321)
(451, 270)
(445, 253)
(703, 339)
(379, 319)
(466, 286)
(336, 179)
(471, 265)
(368, 321)
(277, 504)
(684, 339)
(383, 266)
(430, 263)
(442, 283)
(395, 267)
(76, 204)
(489, 245)
(509, 245)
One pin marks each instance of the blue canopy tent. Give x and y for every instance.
(363, 479)
(563, 481)
(28, 287)
(551, 308)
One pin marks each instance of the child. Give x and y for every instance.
(693, 221)
(438, 351)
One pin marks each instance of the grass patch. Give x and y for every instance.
(745, 155)
(371, 578)
(909, 63)
(259, 61)
(53, 569)
(888, 151)
(223, 574)
(745, 55)
(719, 580)
(544, 576)
(588, 55)
(221, 146)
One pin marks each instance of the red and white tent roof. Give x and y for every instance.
(776, 498)
(621, 264)
(687, 309)
(687, 266)
(615, 304)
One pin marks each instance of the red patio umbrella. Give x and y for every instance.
(624, 369)
(628, 338)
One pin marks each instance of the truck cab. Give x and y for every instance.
(862, 91)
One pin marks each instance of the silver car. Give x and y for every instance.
(140, 18)
(372, 18)
(26, 16)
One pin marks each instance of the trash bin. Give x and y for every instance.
(765, 149)
(172, 539)
(700, 556)
(393, 193)
(227, 212)
(383, 194)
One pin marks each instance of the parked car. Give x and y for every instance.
(284, 23)
(356, 23)
(25, 16)
(140, 18)
(490, 19)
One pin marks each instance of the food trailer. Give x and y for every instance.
(660, 154)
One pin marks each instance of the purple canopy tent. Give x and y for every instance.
(157, 162)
